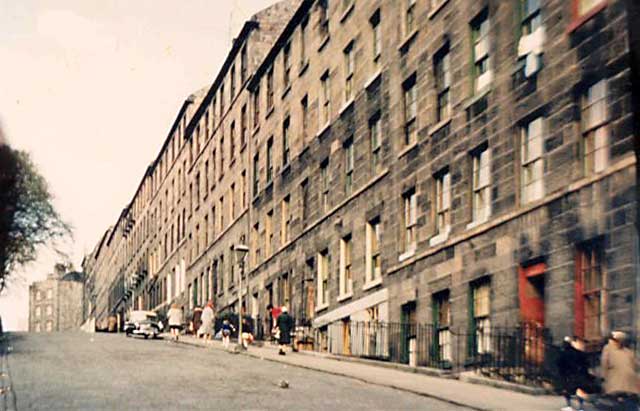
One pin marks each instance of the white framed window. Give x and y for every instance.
(410, 110)
(285, 220)
(348, 167)
(442, 71)
(38, 295)
(37, 328)
(324, 262)
(410, 219)
(49, 310)
(372, 250)
(532, 179)
(349, 68)
(481, 316)
(442, 323)
(268, 228)
(270, 90)
(481, 205)
(375, 139)
(49, 326)
(286, 63)
(443, 202)
(38, 312)
(376, 36)
(286, 149)
(49, 294)
(532, 38)
(482, 74)
(346, 279)
(325, 95)
(409, 16)
(595, 130)
(324, 181)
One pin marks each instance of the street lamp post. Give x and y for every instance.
(240, 251)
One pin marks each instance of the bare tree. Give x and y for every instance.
(28, 218)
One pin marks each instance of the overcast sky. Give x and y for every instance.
(90, 89)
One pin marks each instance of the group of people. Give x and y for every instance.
(616, 388)
(203, 325)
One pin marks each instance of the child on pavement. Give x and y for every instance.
(226, 332)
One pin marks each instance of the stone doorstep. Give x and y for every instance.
(468, 376)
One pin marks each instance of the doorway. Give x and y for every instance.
(408, 333)
(532, 305)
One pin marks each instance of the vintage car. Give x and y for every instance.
(145, 323)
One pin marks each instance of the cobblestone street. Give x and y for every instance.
(102, 371)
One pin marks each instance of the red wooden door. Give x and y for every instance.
(531, 292)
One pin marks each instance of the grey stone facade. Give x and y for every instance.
(57, 303)
(555, 187)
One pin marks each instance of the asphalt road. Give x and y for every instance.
(110, 372)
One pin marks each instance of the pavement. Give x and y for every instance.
(79, 371)
(452, 391)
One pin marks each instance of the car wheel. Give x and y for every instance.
(146, 336)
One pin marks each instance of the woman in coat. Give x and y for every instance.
(285, 326)
(206, 328)
(175, 319)
(619, 371)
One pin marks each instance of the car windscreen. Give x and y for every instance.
(136, 317)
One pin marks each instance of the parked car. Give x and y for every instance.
(145, 323)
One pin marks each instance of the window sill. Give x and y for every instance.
(285, 168)
(477, 97)
(286, 91)
(373, 79)
(303, 68)
(323, 129)
(580, 20)
(243, 146)
(440, 238)
(270, 112)
(372, 284)
(437, 8)
(475, 224)
(347, 12)
(407, 149)
(321, 308)
(346, 106)
(255, 130)
(438, 126)
(407, 254)
(406, 42)
(323, 43)
(345, 297)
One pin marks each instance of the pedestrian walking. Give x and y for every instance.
(227, 327)
(196, 320)
(284, 326)
(247, 331)
(619, 370)
(573, 369)
(208, 317)
(175, 318)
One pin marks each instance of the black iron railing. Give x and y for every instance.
(514, 354)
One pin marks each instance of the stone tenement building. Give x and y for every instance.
(57, 303)
(460, 163)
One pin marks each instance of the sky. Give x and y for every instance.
(90, 88)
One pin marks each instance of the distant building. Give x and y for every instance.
(57, 303)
